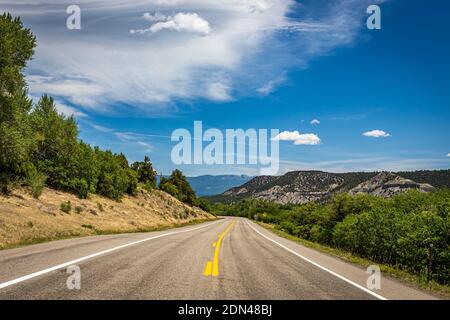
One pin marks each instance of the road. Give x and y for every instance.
(231, 258)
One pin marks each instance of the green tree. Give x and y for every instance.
(57, 144)
(16, 137)
(184, 191)
(145, 173)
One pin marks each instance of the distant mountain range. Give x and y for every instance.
(211, 185)
(303, 186)
(208, 185)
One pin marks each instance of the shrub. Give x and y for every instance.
(66, 207)
(78, 209)
(81, 187)
(170, 189)
(100, 207)
(203, 204)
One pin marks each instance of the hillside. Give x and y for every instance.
(388, 184)
(24, 219)
(303, 186)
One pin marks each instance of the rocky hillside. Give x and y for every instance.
(388, 184)
(303, 186)
(24, 219)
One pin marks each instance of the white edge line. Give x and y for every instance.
(318, 265)
(69, 263)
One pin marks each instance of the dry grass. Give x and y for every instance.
(24, 219)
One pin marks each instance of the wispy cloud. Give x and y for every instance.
(380, 163)
(101, 128)
(127, 137)
(315, 122)
(103, 66)
(271, 86)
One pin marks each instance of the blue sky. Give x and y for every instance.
(252, 64)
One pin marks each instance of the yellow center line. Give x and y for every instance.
(212, 268)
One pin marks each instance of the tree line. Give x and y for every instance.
(399, 231)
(39, 146)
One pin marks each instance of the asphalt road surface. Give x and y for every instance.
(230, 258)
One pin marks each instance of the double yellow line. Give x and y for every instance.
(212, 267)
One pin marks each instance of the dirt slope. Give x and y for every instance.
(24, 219)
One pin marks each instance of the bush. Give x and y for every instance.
(203, 204)
(100, 207)
(78, 209)
(170, 189)
(81, 187)
(66, 207)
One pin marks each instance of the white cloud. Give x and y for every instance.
(288, 136)
(157, 16)
(315, 122)
(448, 154)
(189, 22)
(376, 134)
(298, 138)
(181, 22)
(218, 92)
(242, 41)
(308, 139)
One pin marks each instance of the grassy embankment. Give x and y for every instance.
(58, 215)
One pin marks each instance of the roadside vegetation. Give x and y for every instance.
(178, 186)
(400, 232)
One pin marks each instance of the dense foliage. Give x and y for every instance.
(16, 138)
(39, 146)
(396, 231)
(145, 173)
(178, 186)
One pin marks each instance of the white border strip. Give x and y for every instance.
(69, 263)
(318, 265)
